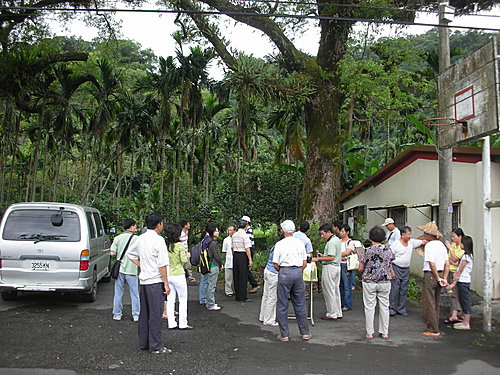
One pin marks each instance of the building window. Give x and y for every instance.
(398, 214)
(356, 219)
(455, 217)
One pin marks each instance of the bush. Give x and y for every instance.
(414, 290)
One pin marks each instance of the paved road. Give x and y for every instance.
(59, 335)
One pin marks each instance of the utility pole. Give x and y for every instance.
(488, 274)
(445, 154)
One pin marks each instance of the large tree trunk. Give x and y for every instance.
(323, 175)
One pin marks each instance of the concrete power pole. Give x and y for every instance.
(445, 154)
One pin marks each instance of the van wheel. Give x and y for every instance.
(10, 295)
(91, 295)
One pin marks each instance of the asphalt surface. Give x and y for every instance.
(57, 334)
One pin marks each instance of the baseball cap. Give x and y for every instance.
(388, 221)
(245, 218)
(288, 226)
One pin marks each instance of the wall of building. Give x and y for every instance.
(418, 184)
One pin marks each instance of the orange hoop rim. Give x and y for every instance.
(441, 122)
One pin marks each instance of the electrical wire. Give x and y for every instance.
(245, 14)
(357, 6)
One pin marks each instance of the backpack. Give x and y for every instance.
(203, 265)
(195, 253)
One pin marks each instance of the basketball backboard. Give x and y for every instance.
(468, 91)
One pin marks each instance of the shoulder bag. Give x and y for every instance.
(352, 260)
(115, 270)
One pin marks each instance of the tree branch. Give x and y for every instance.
(210, 33)
(295, 60)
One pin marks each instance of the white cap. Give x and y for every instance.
(388, 221)
(245, 218)
(288, 226)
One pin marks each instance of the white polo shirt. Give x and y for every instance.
(289, 252)
(402, 254)
(435, 252)
(150, 249)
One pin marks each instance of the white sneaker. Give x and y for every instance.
(214, 308)
(117, 318)
(275, 324)
(136, 319)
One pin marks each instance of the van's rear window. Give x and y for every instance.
(32, 225)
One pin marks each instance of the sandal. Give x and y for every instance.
(461, 327)
(382, 336)
(307, 337)
(452, 321)
(162, 351)
(283, 339)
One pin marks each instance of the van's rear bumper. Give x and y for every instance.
(82, 285)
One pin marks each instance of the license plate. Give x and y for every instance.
(40, 265)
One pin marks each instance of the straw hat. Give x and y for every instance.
(430, 228)
(420, 250)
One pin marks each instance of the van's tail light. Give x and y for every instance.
(84, 260)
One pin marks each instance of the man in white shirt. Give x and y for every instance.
(436, 267)
(289, 260)
(393, 233)
(227, 248)
(184, 238)
(149, 252)
(402, 250)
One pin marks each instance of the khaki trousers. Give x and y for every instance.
(373, 293)
(431, 291)
(330, 281)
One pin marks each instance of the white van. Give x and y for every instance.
(52, 247)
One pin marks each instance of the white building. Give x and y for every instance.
(406, 189)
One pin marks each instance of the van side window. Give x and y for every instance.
(98, 224)
(90, 222)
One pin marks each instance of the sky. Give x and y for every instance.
(154, 31)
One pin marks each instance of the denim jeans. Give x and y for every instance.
(464, 296)
(346, 283)
(212, 283)
(133, 287)
(202, 289)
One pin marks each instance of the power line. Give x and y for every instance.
(245, 14)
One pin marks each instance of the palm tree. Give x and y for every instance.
(105, 89)
(212, 132)
(162, 87)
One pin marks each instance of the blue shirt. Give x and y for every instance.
(270, 264)
(307, 242)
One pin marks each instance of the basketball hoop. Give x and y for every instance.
(446, 123)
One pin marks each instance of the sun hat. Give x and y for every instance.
(388, 221)
(288, 226)
(421, 249)
(430, 228)
(245, 218)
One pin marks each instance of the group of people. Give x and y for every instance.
(385, 274)
(165, 271)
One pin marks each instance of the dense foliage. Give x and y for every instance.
(107, 124)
